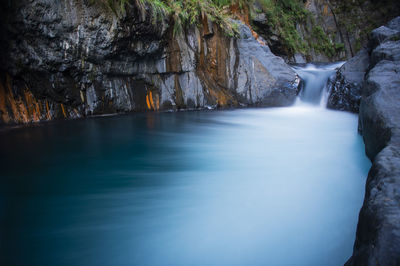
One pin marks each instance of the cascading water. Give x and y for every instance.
(314, 82)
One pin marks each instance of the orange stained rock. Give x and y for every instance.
(151, 100)
(12, 102)
(32, 105)
(23, 112)
(48, 115)
(3, 108)
(244, 16)
(63, 110)
(148, 102)
(38, 110)
(221, 98)
(242, 13)
(325, 11)
(22, 108)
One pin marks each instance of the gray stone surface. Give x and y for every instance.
(374, 75)
(345, 88)
(381, 35)
(85, 59)
(263, 78)
(379, 111)
(378, 231)
(389, 50)
(394, 24)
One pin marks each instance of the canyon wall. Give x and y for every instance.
(369, 84)
(71, 59)
(325, 30)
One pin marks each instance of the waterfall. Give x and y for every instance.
(314, 82)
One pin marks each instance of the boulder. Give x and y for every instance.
(345, 88)
(389, 50)
(381, 35)
(263, 78)
(379, 110)
(378, 231)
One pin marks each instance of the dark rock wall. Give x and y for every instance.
(346, 25)
(349, 23)
(70, 59)
(378, 231)
(346, 87)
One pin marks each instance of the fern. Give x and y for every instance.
(183, 12)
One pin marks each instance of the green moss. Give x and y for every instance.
(321, 43)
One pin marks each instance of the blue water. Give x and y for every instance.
(279, 186)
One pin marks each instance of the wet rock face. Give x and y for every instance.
(378, 231)
(345, 88)
(76, 59)
(262, 77)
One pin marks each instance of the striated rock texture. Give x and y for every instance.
(71, 59)
(378, 231)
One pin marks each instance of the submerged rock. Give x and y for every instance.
(80, 59)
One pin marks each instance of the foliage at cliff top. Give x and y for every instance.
(360, 17)
(183, 12)
(284, 15)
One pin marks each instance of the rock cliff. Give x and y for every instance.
(71, 59)
(325, 30)
(373, 76)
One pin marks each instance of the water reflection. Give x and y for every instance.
(245, 187)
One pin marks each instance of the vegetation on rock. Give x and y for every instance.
(183, 12)
(283, 17)
(358, 18)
